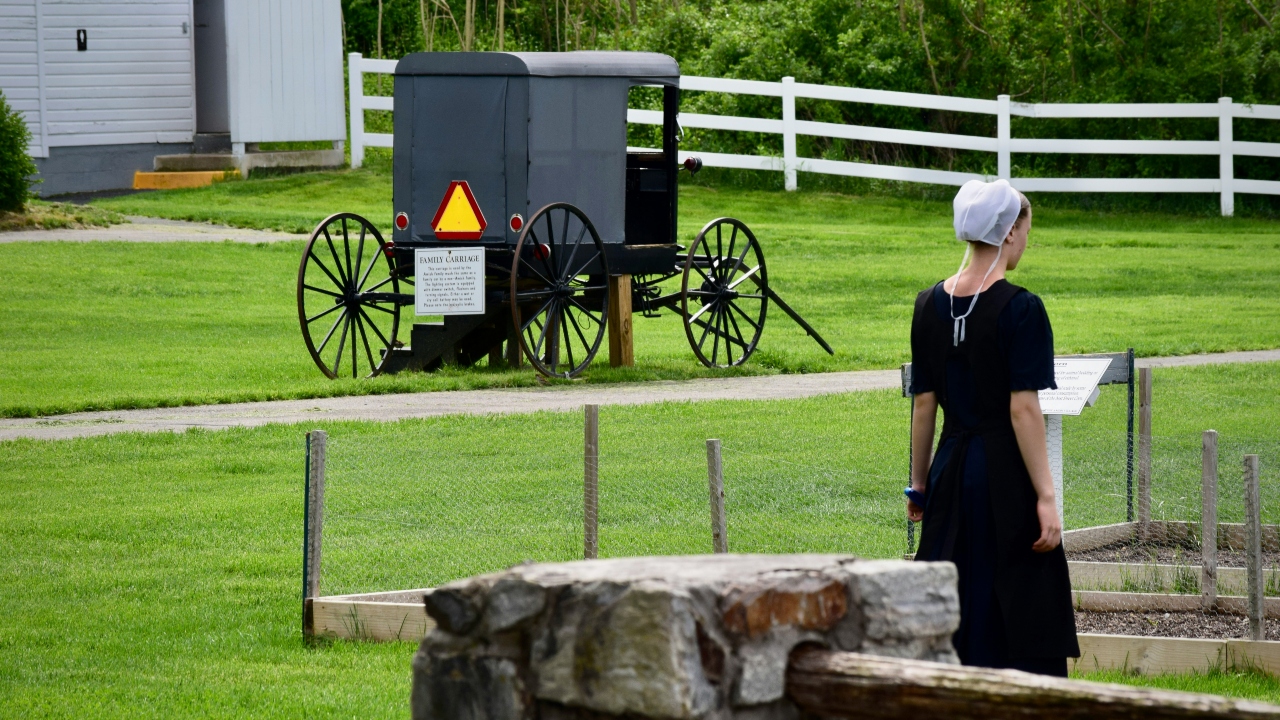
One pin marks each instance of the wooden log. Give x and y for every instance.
(715, 482)
(590, 483)
(834, 684)
(1253, 546)
(1144, 452)
(1209, 518)
(621, 345)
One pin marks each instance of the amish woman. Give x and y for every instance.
(981, 347)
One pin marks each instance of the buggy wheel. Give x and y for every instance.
(347, 297)
(723, 296)
(559, 294)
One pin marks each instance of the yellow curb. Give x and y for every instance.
(175, 180)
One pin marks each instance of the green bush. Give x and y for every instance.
(15, 165)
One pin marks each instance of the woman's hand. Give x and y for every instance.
(914, 512)
(1050, 525)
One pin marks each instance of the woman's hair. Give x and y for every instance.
(1024, 210)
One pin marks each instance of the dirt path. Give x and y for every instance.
(145, 229)
(478, 402)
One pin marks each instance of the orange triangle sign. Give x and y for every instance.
(459, 216)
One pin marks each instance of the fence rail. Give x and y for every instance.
(1003, 144)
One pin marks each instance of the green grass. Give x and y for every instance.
(113, 325)
(157, 575)
(1243, 684)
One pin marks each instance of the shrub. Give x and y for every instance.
(15, 165)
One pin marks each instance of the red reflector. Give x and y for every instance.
(517, 222)
(389, 250)
(402, 221)
(542, 251)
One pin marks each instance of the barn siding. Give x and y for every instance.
(19, 71)
(285, 70)
(134, 84)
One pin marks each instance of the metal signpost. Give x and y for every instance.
(1077, 380)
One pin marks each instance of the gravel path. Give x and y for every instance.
(481, 402)
(145, 229)
(1209, 626)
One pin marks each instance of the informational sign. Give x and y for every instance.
(449, 281)
(1077, 378)
(459, 216)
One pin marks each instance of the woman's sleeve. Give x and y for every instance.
(1030, 343)
(920, 380)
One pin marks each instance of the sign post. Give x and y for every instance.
(1077, 380)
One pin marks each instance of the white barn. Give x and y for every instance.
(108, 85)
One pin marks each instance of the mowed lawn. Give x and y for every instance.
(108, 325)
(158, 576)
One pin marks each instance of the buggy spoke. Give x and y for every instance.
(316, 317)
(701, 310)
(386, 343)
(745, 316)
(581, 336)
(583, 308)
(742, 341)
(342, 341)
(745, 276)
(346, 249)
(584, 266)
(534, 317)
(330, 333)
(335, 280)
(572, 253)
(364, 337)
(568, 341)
(320, 290)
(534, 270)
(371, 288)
(733, 240)
(375, 306)
(334, 253)
(359, 255)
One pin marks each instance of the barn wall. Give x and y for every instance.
(134, 83)
(284, 68)
(19, 71)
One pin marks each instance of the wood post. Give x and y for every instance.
(514, 353)
(590, 483)
(1144, 451)
(313, 513)
(834, 684)
(1253, 545)
(621, 345)
(1209, 519)
(715, 480)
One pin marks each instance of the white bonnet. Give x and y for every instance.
(986, 212)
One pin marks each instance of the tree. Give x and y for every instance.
(16, 167)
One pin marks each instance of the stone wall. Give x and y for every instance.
(674, 637)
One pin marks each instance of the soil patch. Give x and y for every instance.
(1165, 554)
(1209, 626)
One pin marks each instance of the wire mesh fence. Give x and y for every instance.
(419, 512)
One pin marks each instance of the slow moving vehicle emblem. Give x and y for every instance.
(459, 216)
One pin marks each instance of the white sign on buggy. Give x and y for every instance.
(449, 281)
(1077, 379)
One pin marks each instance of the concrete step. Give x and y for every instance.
(246, 163)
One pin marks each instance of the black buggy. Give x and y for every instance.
(518, 163)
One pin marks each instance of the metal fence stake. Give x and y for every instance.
(1209, 519)
(1144, 452)
(715, 481)
(312, 521)
(1253, 545)
(590, 483)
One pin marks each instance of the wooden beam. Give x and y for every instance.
(621, 343)
(834, 684)
(364, 620)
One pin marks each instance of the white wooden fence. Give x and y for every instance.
(1004, 145)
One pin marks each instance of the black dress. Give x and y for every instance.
(1015, 603)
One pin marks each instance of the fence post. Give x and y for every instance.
(590, 483)
(715, 481)
(1128, 449)
(1253, 545)
(1004, 164)
(1226, 157)
(789, 132)
(1144, 452)
(312, 522)
(1053, 440)
(355, 84)
(1209, 519)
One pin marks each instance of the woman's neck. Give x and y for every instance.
(980, 262)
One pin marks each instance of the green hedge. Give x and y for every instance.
(16, 166)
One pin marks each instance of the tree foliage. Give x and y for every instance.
(1033, 50)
